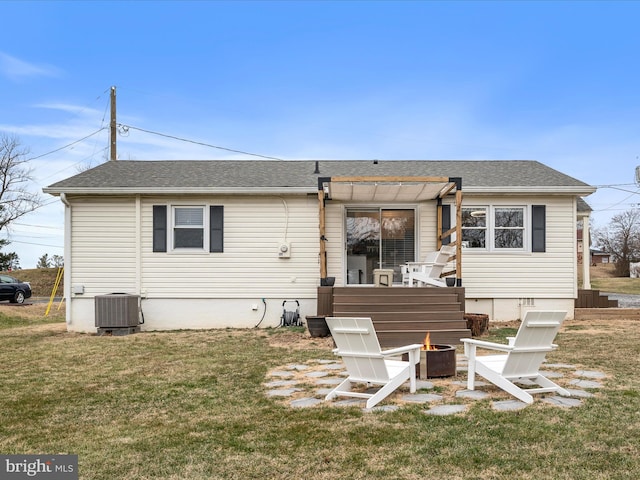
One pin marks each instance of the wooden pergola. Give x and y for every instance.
(390, 189)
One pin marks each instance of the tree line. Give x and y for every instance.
(10, 262)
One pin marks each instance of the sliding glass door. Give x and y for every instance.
(378, 238)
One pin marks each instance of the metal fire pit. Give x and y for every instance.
(440, 362)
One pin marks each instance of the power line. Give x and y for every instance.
(610, 207)
(37, 226)
(75, 164)
(38, 244)
(67, 146)
(612, 187)
(46, 204)
(124, 128)
(129, 127)
(51, 202)
(615, 185)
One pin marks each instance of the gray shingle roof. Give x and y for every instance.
(244, 175)
(583, 207)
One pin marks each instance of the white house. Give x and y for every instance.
(208, 244)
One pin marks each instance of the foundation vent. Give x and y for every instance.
(527, 302)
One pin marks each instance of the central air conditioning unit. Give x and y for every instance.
(117, 310)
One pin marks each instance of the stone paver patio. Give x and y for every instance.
(306, 385)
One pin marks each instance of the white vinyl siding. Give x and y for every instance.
(336, 240)
(103, 245)
(254, 227)
(549, 274)
(426, 217)
(111, 251)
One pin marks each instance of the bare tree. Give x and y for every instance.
(57, 261)
(15, 175)
(621, 238)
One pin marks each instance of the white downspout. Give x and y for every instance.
(139, 246)
(67, 256)
(586, 253)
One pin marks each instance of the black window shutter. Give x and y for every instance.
(538, 228)
(446, 223)
(216, 225)
(159, 228)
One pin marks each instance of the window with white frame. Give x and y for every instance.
(494, 227)
(508, 227)
(188, 227)
(474, 227)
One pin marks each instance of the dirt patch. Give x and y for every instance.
(511, 324)
(31, 311)
(297, 340)
(610, 327)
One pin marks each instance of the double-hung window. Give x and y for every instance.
(508, 228)
(474, 227)
(188, 227)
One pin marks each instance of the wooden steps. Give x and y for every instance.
(401, 315)
(593, 299)
(402, 307)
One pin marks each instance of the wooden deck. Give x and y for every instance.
(401, 315)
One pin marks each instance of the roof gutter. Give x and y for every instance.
(524, 190)
(582, 190)
(176, 191)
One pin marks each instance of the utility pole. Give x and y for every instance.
(113, 125)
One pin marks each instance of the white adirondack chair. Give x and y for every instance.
(428, 272)
(357, 344)
(524, 355)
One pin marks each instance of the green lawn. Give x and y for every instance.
(192, 405)
(617, 285)
(603, 278)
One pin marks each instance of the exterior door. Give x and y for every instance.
(378, 238)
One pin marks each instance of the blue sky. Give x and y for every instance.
(556, 82)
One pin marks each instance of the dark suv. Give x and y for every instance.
(13, 289)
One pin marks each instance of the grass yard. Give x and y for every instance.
(192, 405)
(603, 278)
